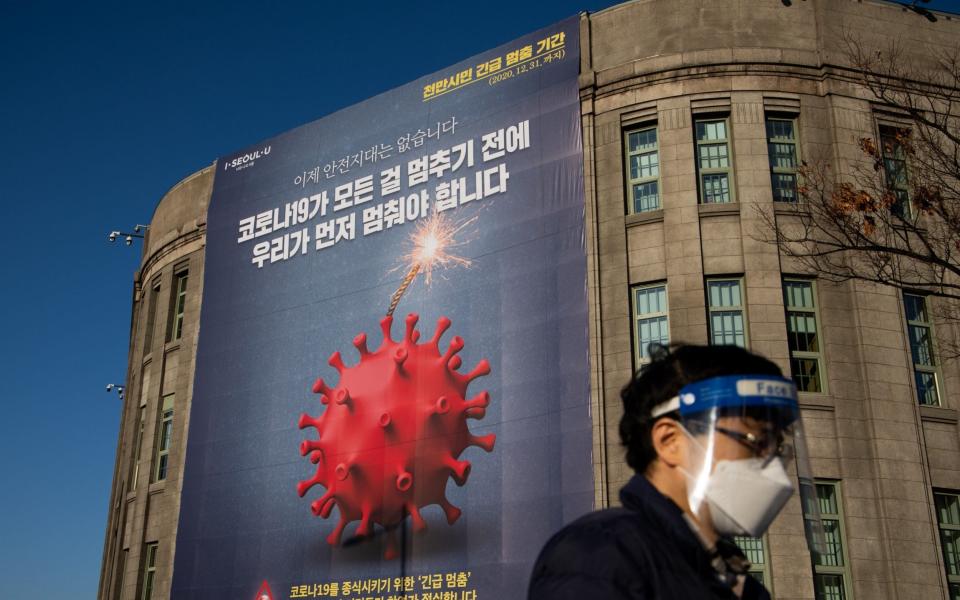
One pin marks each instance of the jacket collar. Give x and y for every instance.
(724, 561)
(639, 495)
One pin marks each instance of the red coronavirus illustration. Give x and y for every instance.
(393, 431)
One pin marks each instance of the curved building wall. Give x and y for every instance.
(663, 65)
(145, 500)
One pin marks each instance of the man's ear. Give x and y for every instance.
(667, 441)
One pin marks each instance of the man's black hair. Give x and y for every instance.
(662, 378)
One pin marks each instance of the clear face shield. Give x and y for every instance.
(746, 452)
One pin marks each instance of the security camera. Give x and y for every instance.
(113, 236)
(129, 240)
(109, 387)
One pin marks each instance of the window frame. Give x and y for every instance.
(794, 119)
(764, 569)
(953, 581)
(149, 570)
(889, 131)
(728, 170)
(933, 369)
(842, 570)
(638, 358)
(161, 468)
(819, 356)
(742, 307)
(628, 154)
(179, 291)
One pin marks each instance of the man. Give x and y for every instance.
(709, 431)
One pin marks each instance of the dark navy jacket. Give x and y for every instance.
(645, 550)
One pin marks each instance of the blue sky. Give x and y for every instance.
(103, 107)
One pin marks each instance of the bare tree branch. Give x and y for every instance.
(891, 215)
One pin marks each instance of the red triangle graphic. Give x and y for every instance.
(264, 593)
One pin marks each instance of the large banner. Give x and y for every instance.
(392, 384)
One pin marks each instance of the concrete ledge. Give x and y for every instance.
(650, 216)
(728, 208)
(173, 250)
(937, 414)
(810, 401)
(791, 208)
(664, 69)
(587, 81)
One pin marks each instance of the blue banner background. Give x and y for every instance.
(265, 336)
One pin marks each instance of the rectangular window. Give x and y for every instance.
(948, 518)
(643, 169)
(920, 334)
(831, 575)
(803, 334)
(782, 148)
(755, 551)
(164, 434)
(725, 305)
(651, 321)
(179, 303)
(895, 167)
(714, 164)
(149, 570)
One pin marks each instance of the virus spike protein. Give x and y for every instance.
(392, 432)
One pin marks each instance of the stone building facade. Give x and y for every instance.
(692, 112)
(145, 500)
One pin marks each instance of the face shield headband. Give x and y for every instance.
(748, 453)
(777, 395)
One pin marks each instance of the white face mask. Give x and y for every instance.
(745, 495)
